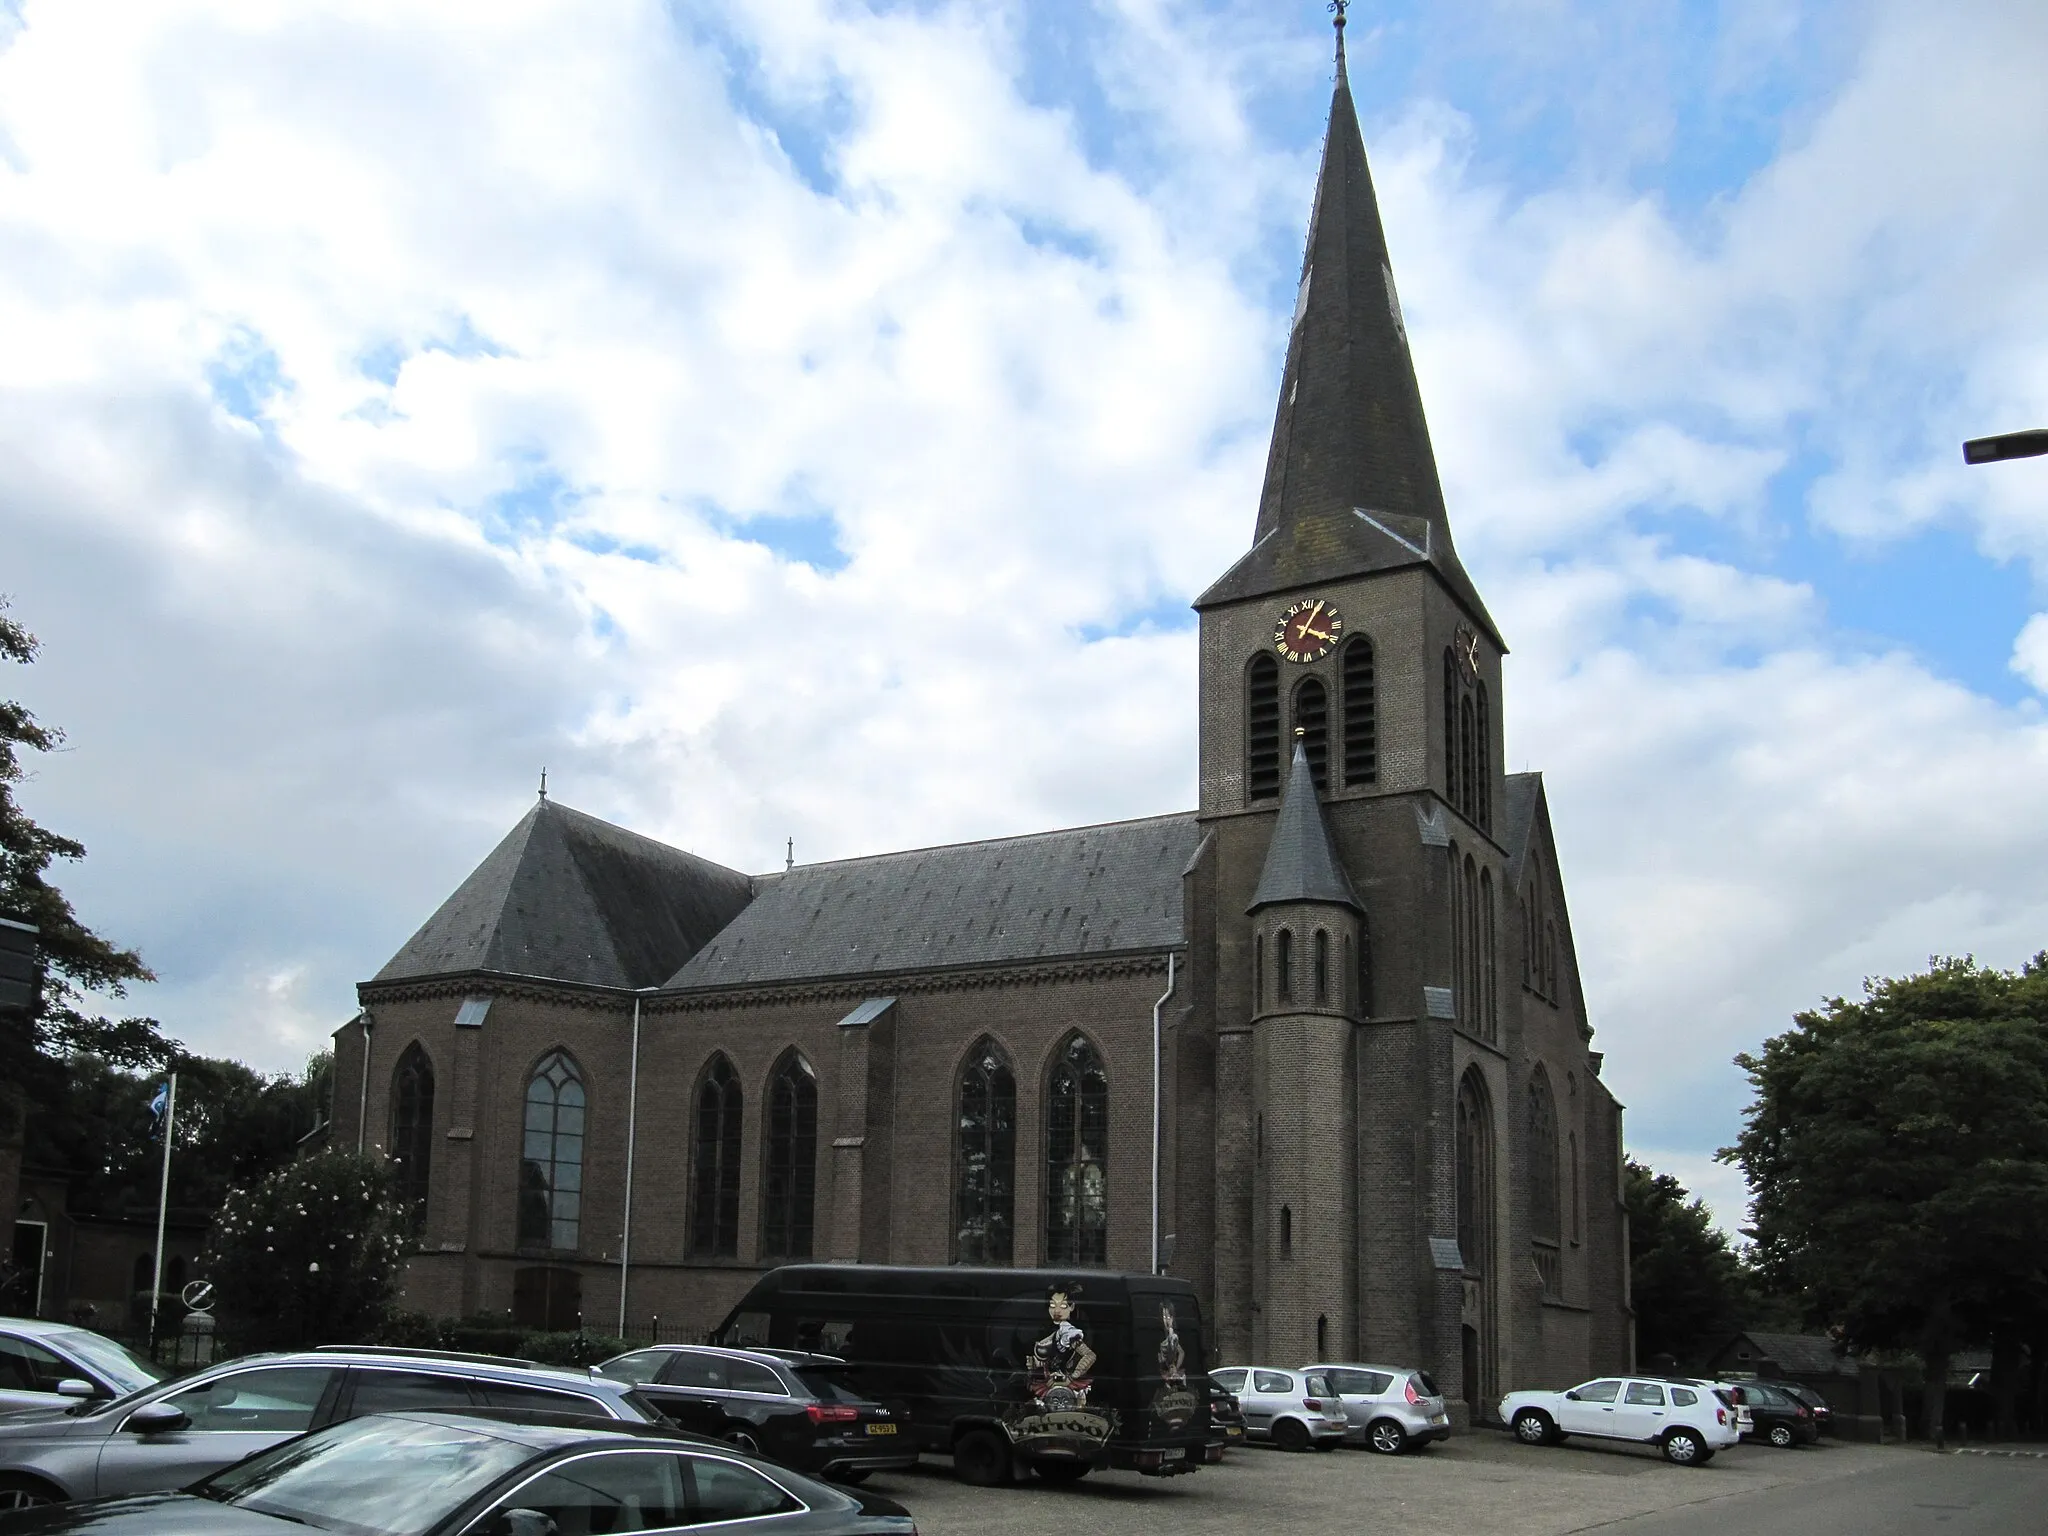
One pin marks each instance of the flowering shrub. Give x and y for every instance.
(312, 1254)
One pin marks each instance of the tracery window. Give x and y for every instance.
(412, 1131)
(1475, 1172)
(1312, 719)
(1361, 712)
(1076, 1157)
(789, 1173)
(715, 1181)
(1489, 1001)
(551, 1165)
(1543, 1212)
(1262, 728)
(985, 1212)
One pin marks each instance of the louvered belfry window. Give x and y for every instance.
(1262, 728)
(715, 1173)
(551, 1171)
(1361, 713)
(1451, 782)
(1076, 1157)
(984, 1226)
(789, 1181)
(1312, 719)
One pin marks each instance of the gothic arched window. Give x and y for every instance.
(1312, 719)
(1364, 966)
(1450, 728)
(412, 1131)
(1322, 968)
(551, 1164)
(1283, 964)
(1076, 1157)
(1475, 1172)
(1258, 973)
(1361, 712)
(1460, 939)
(986, 1170)
(1542, 1157)
(1472, 1005)
(789, 1172)
(1489, 1005)
(1483, 754)
(1262, 728)
(715, 1180)
(1468, 776)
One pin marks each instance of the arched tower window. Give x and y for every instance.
(1262, 728)
(715, 1182)
(789, 1172)
(1076, 1157)
(1483, 756)
(1361, 713)
(1365, 1000)
(986, 1166)
(1312, 719)
(1258, 973)
(1460, 939)
(1475, 1173)
(412, 1131)
(1451, 728)
(1283, 964)
(1322, 968)
(1542, 1157)
(1286, 1233)
(1489, 963)
(1471, 1005)
(1468, 778)
(551, 1167)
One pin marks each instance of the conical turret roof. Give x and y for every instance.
(1301, 862)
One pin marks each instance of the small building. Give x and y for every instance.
(93, 1269)
(1867, 1401)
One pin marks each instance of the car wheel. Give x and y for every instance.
(1533, 1427)
(1683, 1448)
(744, 1443)
(1387, 1437)
(1290, 1435)
(1782, 1437)
(19, 1492)
(981, 1457)
(1060, 1471)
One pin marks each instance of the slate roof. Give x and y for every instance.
(1301, 864)
(573, 898)
(1800, 1354)
(1351, 479)
(1524, 794)
(1096, 890)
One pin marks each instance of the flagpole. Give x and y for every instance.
(163, 1205)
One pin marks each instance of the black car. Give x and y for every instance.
(437, 1474)
(804, 1410)
(1226, 1419)
(1778, 1417)
(1815, 1403)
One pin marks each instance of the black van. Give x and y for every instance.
(1052, 1370)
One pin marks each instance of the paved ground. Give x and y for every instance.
(1481, 1483)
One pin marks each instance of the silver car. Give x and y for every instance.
(174, 1433)
(50, 1365)
(1387, 1407)
(1296, 1410)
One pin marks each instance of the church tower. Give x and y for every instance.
(1348, 976)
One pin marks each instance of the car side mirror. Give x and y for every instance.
(76, 1386)
(1571, 1397)
(523, 1522)
(156, 1419)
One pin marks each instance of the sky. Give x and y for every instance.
(790, 420)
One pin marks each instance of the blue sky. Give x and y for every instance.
(400, 397)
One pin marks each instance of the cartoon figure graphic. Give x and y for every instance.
(1173, 1359)
(1060, 1361)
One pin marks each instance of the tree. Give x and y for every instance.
(311, 1255)
(1898, 1152)
(1688, 1285)
(77, 960)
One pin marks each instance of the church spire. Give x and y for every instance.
(1351, 480)
(1301, 862)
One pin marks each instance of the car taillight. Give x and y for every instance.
(1720, 1415)
(1414, 1397)
(1313, 1404)
(1801, 1412)
(822, 1413)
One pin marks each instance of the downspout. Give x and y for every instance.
(363, 1101)
(632, 1135)
(1161, 1003)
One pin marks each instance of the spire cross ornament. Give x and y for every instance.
(543, 783)
(1337, 9)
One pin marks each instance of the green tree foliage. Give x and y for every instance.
(1689, 1286)
(78, 960)
(1898, 1151)
(311, 1255)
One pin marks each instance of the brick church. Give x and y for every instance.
(621, 1080)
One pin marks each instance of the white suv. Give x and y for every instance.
(1686, 1419)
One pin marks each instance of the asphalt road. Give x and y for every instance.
(1482, 1483)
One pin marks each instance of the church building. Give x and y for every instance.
(1317, 1045)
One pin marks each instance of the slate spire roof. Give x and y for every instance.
(1301, 862)
(1351, 479)
(573, 898)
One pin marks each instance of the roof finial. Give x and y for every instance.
(789, 857)
(1300, 732)
(1337, 9)
(543, 784)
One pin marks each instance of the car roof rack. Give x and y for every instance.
(408, 1352)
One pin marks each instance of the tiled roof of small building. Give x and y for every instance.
(573, 898)
(1801, 1354)
(1096, 890)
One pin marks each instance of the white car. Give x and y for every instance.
(1687, 1420)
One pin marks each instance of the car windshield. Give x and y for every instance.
(370, 1477)
(126, 1370)
(831, 1383)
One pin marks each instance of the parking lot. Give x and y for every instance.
(1480, 1482)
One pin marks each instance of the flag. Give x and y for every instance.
(157, 1106)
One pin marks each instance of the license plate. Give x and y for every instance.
(1232, 1432)
(1439, 1418)
(881, 1429)
(1176, 1454)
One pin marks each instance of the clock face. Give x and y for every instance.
(1308, 631)
(1465, 646)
